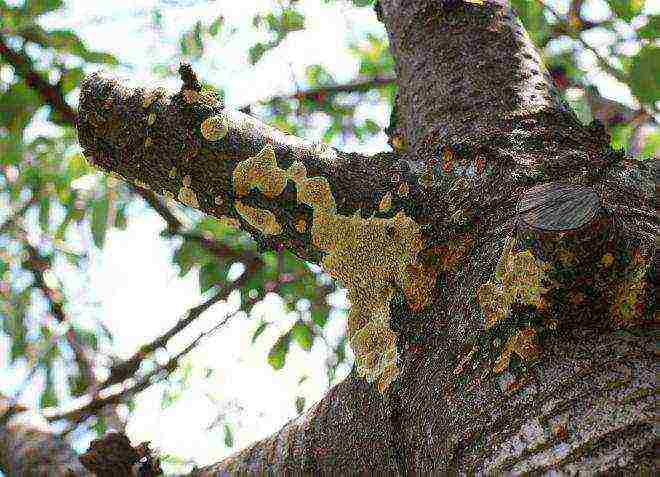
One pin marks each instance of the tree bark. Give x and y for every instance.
(469, 78)
(541, 237)
(28, 448)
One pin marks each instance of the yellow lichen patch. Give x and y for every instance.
(260, 172)
(398, 143)
(447, 160)
(230, 222)
(187, 196)
(172, 173)
(523, 344)
(607, 260)
(418, 282)
(262, 220)
(148, 142)
(152, 96)
(385, 203)
(191, 96)
(629, 299)
(316, 193)
(151, 119)
(168, 194)
(214, 128)
(301, 225)
(141, 184)
(517, 280)
(368, 256)
(426, 178)
(296, 172)
(403, 189)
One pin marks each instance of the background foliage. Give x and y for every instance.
(55, 210)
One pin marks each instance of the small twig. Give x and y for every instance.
(605, 64)
(51, 95)
(15, 216)
(360, 85)
(127, 369)
(78, 415)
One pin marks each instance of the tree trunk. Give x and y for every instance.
(533, 349)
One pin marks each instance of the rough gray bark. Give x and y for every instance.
(472, 89)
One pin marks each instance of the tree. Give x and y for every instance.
(500, 261)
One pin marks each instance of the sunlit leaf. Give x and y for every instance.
(277, 354)
(260, 329)
(626, 9)
(35, 8)
(303, 335)
(644, 78)
(229, 437)
(99, 221)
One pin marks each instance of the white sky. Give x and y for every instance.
(132, 278)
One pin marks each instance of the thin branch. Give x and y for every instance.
(78, 415)
(51, 95)
(38, 264)
(127, 369)
(573, 33)
(15, 216)
(321, 92)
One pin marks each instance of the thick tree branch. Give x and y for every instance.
(157, 140)
(348, 432)
(27, 447)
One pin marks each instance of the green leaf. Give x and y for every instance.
(216, 25)
(371, 126)
(44, 213)
(70, 79)
(652, 146)
(300, 404)
(229, 437)
(17, 105)
(188, 255)
(256, 52)
(292, 20)
(303, 335)
(320, 316)
(68, 42)
(99, 222)
(644, 77)
(48, 396)
(35, 8)
(260, 329)
(626, 9)
(277, 354)
(78, 385)
(15, 327)
(650, 30)
(210, 275)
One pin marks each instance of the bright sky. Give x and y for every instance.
(132, 278)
